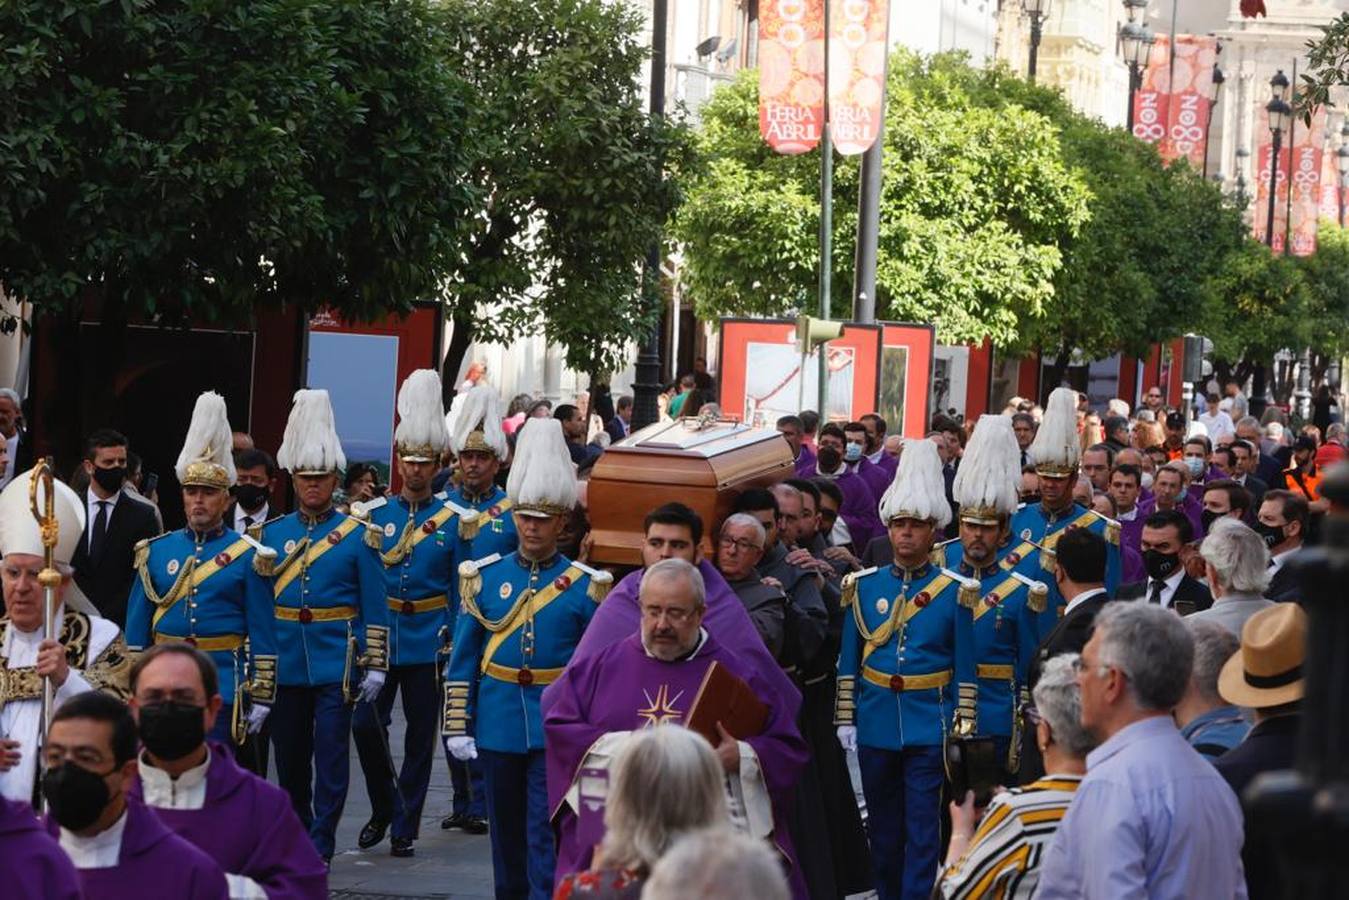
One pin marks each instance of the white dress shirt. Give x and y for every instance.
(92, 501)
(262, 515)
(1128, 516)
(100, 851)
(1168, 587)
(1080, 598)
(1277, 560)
(163, 791)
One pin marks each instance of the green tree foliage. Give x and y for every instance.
(1258, 305)
(975, 205)
(191, 159)
(573, 172)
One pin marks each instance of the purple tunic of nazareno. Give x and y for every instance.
(35, 865)
(153, 862)
(249, 828)
(620, 617)
(623, 689)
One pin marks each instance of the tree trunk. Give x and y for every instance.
(1055, 375)
(460, 340)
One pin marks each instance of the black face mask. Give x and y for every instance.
(250, 496)
(829, 459)
(1030, 499)
(75, 796)
(171, 730)
(110, 479)
(1208, 517)
(1159, 564)
(1272, 534)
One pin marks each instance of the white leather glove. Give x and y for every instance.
(847, 737)
(370, 686)
(257, 714)
(462, 748)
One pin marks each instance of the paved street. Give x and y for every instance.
(447, 864)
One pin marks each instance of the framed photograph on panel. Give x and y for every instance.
(906, 377)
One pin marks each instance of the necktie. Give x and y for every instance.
(248, 522)
(100, 530)
(1156, 596)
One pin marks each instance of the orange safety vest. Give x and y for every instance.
(1308, 485)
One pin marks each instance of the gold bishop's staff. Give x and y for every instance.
(49, 577)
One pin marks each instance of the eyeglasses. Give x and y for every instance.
(673, 614)
(743, 545)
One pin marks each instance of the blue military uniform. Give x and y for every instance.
(906, 677)
(1035, 534)
(417, 547)
(1006, 634)
(331, 615)
(519, 625)
(211, 591)
(490, 530)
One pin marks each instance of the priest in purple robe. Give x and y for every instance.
(122, 851)
(35, 865)
(245, 824)
(675, 531)
(652, 677)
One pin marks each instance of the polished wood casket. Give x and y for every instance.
(702, 464)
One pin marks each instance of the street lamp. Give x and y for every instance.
(1342, 160)
(1134, 10)
(1280, 115)
(1218, 79)
(1135, 42)
(1038, 10)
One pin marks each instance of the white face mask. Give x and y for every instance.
(853, 453)
(1196, 466)
(1147, 481)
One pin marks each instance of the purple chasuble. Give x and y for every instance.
(620, 617)
(36, 866)
(805, 463)
(249, 828)
(153, 862)
(623, 689)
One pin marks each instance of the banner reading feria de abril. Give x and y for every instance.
(857, 44)
(1189, 98)
(791, 74)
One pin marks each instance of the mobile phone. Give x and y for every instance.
(972, 765)
(594, 794)
(150, 483)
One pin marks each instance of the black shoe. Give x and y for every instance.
(372, 833)
(453, 820)
(474, 825)
(401, 847)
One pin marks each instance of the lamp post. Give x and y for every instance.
(1038, 10)
(1135, 44)
(1280, 114)
(1218, 79)
(1342, 160)
(646, 385)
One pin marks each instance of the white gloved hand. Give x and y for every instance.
(462, 748)
(257, 714)
(847, 737)
(370, 686)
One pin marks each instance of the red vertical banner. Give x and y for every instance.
(1150, 100)
(1263, 156)
(857, 43)
(1329, 189)
(1191, 96)
(791, 74)
(1306, 175)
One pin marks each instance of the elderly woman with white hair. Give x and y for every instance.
(667, 782)
(1001, 858)
(1236, 565)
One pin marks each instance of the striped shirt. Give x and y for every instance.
(1003, 858)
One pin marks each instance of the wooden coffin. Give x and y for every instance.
(705, 466)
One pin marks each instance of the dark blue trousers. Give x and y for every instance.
(470, 793)
(251, 755)
(903, 791)
(311, 731)
(523, 856)
(421, 708)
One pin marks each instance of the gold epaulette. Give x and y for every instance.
(600, 582)
(968, 594)
(1037, 592)
(374, 536)
(264, 557)
(470, 579)
(1112, 531)
(470, 523)
(849, 593)
(938, 555)
(142, 553)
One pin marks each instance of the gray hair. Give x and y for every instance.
(667, 781)
(717, 864)
(1238, 555)
(1152, 647)
(1248, 422)
(1059, 701)
(668, 569)
(745, 520)
(1179, 468)
(785, 491)
(1214, 645)
(12, 396)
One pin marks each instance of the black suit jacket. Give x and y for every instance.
(1189, 590)
(1269, 470)
(106, 581)
(1284, 585)
(1257, 487)
(1269, 747)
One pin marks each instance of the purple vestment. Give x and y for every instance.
(249, 828)
(153, 862)
(1191, 507)
(887, 464)
(876, 478)
(620, 617)
(36, 868)
(805, 463)
(621, 688)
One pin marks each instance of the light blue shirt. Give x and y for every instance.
(1152, 819)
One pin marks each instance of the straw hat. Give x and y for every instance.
(1267, 670)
